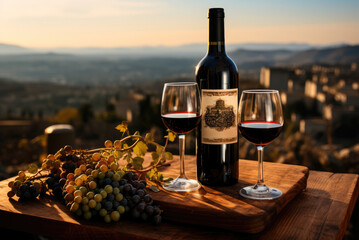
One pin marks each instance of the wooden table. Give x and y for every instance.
(322, 211)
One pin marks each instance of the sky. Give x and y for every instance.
(126, 23)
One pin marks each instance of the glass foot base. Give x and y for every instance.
(182, 185)
(260, 192)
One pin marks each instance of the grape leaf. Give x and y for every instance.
(128, 158)
(154, 175)
(140, 149)
(159, 150)
(155, 157)
(123, 127)
(149, 137)
(151, 173)
(137, 163)
(169, 156)
(171, 136)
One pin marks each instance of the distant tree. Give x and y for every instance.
(149, 114)
(110, 114)
(67, 115)
(86, 112)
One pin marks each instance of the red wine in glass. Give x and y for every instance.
(260, 132)
(181, 122)
(260, 122)
(181, 113)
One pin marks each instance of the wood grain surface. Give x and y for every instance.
(322, 211)
(223, 207)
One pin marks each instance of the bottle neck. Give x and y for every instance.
(216, 36)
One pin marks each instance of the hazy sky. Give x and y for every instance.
(111, 23)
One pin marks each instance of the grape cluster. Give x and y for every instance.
(59, 167)
(139, 201)
(69, 161)
(51, 164)
(91, 186)
(104, 191)
(25, 189)
(54, 184)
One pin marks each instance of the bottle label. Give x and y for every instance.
(219, 116)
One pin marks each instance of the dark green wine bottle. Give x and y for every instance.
(217, 135)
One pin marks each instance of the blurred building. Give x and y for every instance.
(276, 78)
(313, 126)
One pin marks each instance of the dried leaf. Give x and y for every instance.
(140, 149)
(123, 127)
(171, 136)
(159, 150)
(155, 157)
(137, 163)
(128, 158)
(169, 156)
(149, 137)
(151, 173)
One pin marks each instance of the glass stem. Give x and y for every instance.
(182, 142)
(260, 166)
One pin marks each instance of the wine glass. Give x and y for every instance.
(181, 113)
(260, 122)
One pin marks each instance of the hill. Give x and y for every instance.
(12, 49)
(91, 70)
(181, 51)
(127, 69)
(254, 59)
(344, 54)
(242, 55)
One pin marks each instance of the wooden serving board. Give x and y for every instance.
(220, 207)
(223, 207)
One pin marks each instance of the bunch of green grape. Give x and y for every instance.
(90, 183)
(102, 190)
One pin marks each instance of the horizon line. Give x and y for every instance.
(182, 45)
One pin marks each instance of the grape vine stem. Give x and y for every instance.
(137, 139)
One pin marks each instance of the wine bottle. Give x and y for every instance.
(217, 135)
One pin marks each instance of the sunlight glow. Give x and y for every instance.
(116, 23)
